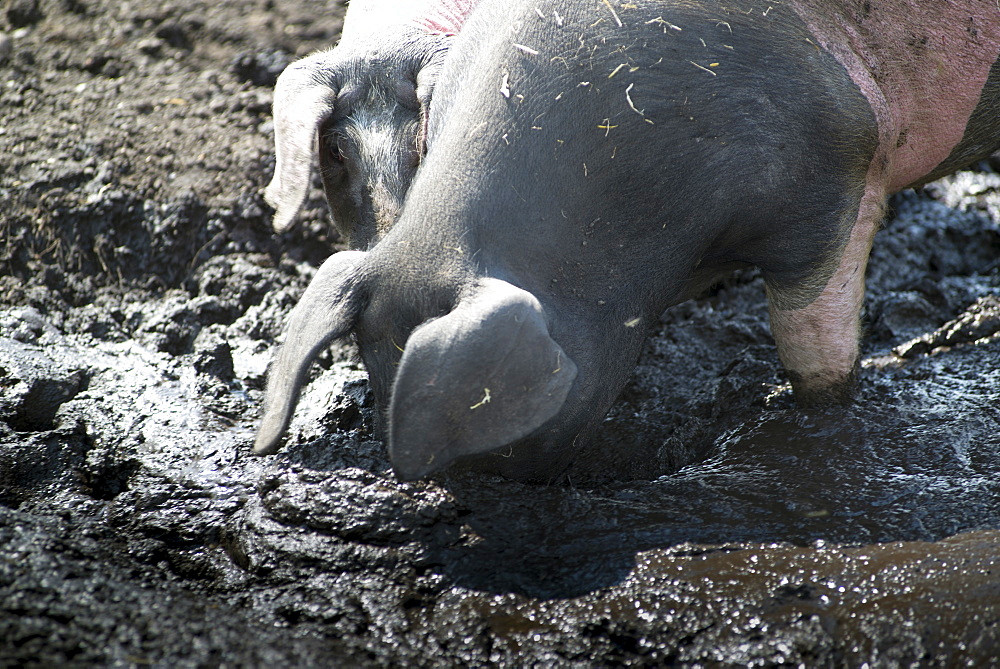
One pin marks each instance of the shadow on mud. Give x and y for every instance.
(916, 458)
(897, 466)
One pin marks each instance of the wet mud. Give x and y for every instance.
(712, 522)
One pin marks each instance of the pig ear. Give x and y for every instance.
(328, 310)
(481, 377)
(303, 100)
(425, 78)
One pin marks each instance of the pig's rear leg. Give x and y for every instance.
(818, 343)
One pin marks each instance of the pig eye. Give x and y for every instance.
(414, 154)
(338, 147)
(341, 148)
(407, 93)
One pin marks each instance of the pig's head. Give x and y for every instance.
(459, 366)
(361, 110)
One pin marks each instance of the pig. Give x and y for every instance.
(361, 108)
(594, 163)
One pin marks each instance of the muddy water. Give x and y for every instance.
(711, 522)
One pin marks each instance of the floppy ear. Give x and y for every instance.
(481, 377)
(328, 310)
(303, 100)
(426, 77)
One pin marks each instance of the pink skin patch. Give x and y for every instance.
(922, 67)
(443, 16)
(367, 17)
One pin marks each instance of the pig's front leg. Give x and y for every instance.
(818, 343)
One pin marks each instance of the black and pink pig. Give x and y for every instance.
(594, 162)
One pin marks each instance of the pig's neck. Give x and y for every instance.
(921, 65)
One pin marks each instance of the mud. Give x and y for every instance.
(713, 522)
